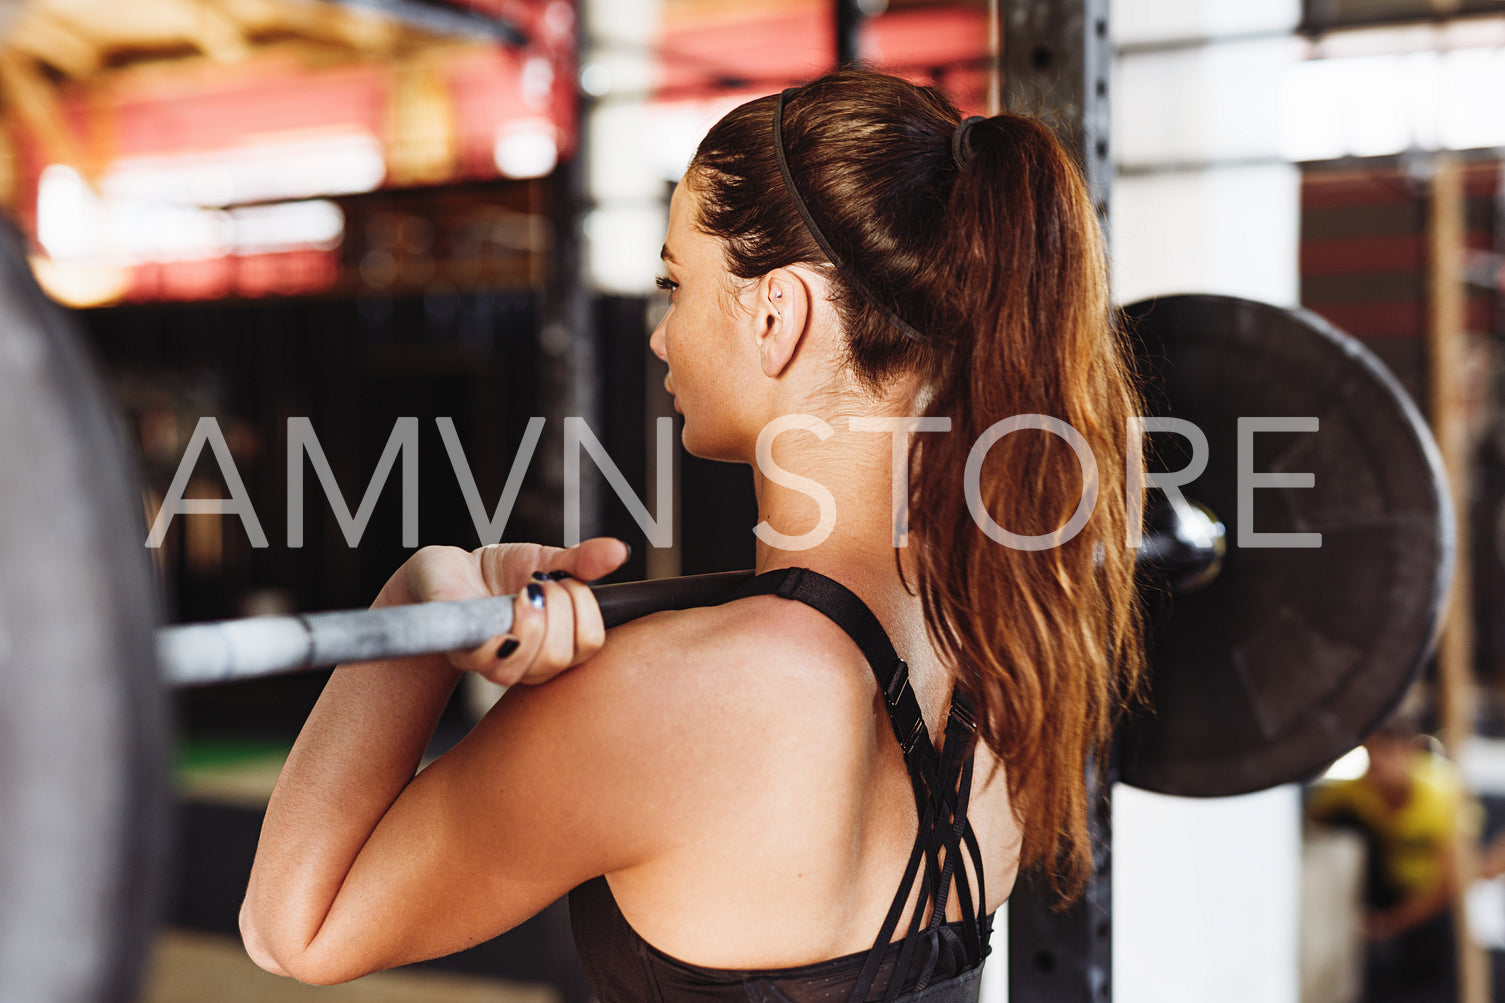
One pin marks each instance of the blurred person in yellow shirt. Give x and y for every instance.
(1409, 806)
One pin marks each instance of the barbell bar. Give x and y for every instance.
(1188, 546)
(231, 650)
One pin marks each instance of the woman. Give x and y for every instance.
(722, 788)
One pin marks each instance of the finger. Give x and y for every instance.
(504, 567)
(486, 657)
(438, 573)
(497, 653)
(591, 559)
(505, 659)
(530, 625)
(507, 663)
(590, 631)
(557, 651)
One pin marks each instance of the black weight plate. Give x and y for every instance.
(82, 722)
(1291, 656)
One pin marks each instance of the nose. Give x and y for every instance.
(657, 341)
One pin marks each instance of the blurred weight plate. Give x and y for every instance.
(82, 724)
(1290, 657)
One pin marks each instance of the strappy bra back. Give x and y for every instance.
(935, 962)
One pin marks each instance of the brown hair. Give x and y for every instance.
(1000, 264)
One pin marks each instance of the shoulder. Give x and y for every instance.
(680, 709)
(1437, 772)
(1439, 781)
(758, 638)
(731, 666)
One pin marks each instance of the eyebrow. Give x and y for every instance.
(667, 255)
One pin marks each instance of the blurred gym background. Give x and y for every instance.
(354, 212)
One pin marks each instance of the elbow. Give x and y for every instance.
(258, 946)
(321, 974)
(301, 964)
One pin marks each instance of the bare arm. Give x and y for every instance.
(1492, 858)
(1419, 908)
(357, 858)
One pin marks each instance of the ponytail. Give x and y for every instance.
(981, 237)
(1045, 642)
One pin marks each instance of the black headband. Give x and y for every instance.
(820, 238)
(961, 141)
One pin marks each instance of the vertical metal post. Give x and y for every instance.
(1449, 406)
(1056, 63)
(1055, 59)
(849, 17)
(1067, 956)
(569, 374)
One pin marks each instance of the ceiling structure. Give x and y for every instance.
(173, 131)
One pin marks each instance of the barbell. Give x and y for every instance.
(1268, 662)
(1185, 543)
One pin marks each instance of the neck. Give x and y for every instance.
(857, 469)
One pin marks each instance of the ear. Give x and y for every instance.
(781, 313)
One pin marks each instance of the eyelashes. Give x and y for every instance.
(668, 285)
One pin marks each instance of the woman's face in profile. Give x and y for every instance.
(705, 338)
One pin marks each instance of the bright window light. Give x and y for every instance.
(70, 217)
(1375, 104)
(264, 229)
(1350, 766)
(526, 149)
(1471, 116)
(77, 226)
(265, 169)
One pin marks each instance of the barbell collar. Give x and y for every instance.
(1184, 545)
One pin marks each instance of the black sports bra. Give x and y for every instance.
(935, 962)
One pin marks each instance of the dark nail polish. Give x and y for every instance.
(535, 595)
(629, 551)
(561, 576)
(539, 576)
(507, 647)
